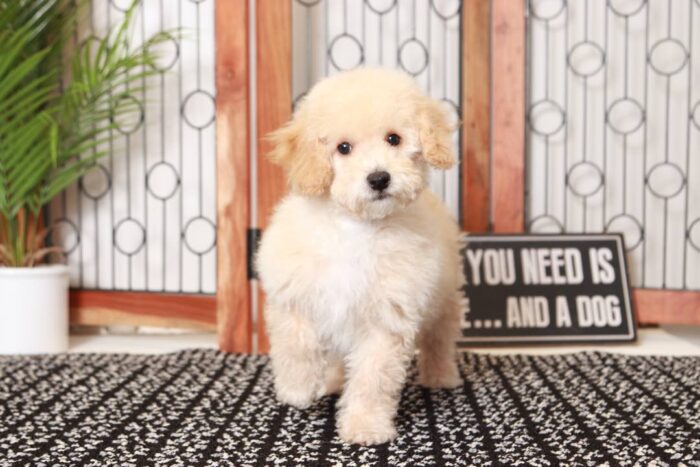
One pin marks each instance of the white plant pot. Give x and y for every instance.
(34, 310)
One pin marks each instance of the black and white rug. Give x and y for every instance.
(202, 407)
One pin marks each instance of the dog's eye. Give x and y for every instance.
(344, 148)
(393, 139)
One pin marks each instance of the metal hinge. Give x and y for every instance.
(253, 240)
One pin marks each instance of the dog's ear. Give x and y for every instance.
(302, 157)
(435, 132)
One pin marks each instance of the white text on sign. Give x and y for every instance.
(540, 266)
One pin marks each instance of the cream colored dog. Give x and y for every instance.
(360, 262)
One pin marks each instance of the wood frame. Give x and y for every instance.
(229, 310)
(667, 306)
(508, 153)
(508, 115)
(476, 115)
(274, 95)
(233, 175)
(105, 308)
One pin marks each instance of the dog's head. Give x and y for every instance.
(365, 138)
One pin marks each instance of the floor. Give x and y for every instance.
(666, 340)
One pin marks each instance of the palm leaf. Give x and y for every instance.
(49, 137)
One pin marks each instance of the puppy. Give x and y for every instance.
(360, 261)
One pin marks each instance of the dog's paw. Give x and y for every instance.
(301, 398)
(366, 429)
(437, 377)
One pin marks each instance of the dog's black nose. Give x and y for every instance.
(379, 180)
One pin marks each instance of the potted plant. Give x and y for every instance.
(58, 103)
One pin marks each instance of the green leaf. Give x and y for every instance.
(54, 142)
(51, 136)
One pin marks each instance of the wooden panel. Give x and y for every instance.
(476, 108)
(105, 308)
(667, 306)
(274, 108)
(274, 96)
(233, 180)
(508, 104)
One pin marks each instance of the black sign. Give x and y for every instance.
(546, 289)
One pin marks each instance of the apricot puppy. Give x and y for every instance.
(360, 261)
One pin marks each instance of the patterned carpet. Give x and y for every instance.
(202, 407)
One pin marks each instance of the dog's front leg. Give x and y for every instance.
(297, 359)
(376, 374)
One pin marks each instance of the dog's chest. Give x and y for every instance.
(347, 259)
(346, 285)
(363, 270)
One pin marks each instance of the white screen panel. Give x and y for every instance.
(614, 129)
(144, 217)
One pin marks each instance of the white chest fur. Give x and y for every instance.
(346, 273)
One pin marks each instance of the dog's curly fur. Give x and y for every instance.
(356, 281)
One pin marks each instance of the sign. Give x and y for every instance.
(546, 288)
